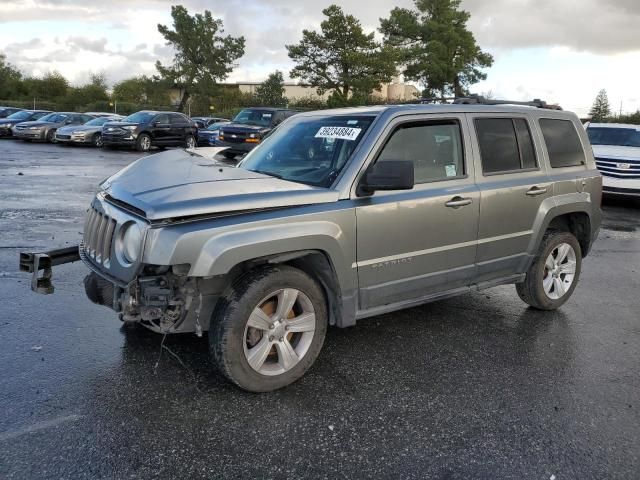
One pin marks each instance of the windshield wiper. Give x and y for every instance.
(264, 172)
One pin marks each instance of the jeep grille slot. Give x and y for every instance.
(98, 236)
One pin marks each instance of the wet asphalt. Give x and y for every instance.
(477, 386)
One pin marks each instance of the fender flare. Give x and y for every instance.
(223, 252)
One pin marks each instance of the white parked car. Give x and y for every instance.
(616, 147)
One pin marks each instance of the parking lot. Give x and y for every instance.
(477, 386)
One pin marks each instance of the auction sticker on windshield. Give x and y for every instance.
(343, 133)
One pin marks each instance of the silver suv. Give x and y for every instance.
(337, 216)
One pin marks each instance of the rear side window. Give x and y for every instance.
(505, 145)
(177, 120)
(563, 143)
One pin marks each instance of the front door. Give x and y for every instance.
(513, 185)
(418, 243)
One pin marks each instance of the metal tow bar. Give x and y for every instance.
(34, 262)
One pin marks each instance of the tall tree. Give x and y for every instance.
(342, 58)
(271, 91)
(436, 47)
(10, 78)
(203, 56)
(600, 109)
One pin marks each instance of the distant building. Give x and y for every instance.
(391, 92)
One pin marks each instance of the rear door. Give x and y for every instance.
(179, 126)
(513, 184)
(417, 243)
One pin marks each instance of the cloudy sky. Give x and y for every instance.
(560, 50)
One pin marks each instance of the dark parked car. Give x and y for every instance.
(208, 137)
(88, 134)
(146, 129)
(249, 127)
(204, 122)
(6, 111)
(44, 129)
(6, 124)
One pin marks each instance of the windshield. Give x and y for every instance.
(250, 116)
(140, 117)
(19, 115)
(310, 150)
(55, 117)
(216, 126)
(96, 122)
(624, 137)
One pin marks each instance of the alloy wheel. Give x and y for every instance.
(279, 331)
(559, 271)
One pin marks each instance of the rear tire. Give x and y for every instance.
(268, 328)
(554, 272)
(143, 143)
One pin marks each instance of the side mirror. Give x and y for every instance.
(387, 175)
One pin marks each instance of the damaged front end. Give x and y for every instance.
(158, 298)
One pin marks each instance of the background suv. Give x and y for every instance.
(616, 147)
(44, 129)
(146, 129)
(6, 124)
(249, 127)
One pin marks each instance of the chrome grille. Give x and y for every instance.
(98, 236)
(618, 168)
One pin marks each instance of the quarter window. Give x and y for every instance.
(434, 148)
(505, 145)
(563, 143)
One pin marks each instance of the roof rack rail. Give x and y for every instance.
(480, 100)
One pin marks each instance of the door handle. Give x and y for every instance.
(456, 202)
(535, 191)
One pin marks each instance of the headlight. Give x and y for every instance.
(130, 243)
(131, 128)
(252, 135)
(35, 128)
(8, 125)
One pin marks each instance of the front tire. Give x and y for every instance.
(143, 143)
(268, 328)
(97, 140)
(554, 272)
(51, 136)
(189, 141)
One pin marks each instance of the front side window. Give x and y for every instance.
(505, 145)
(563, 143)
(435, 148)
(311, 149)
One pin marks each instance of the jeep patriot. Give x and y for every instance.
(339, 215)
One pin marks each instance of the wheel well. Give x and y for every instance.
(314, 263)
(577, 223)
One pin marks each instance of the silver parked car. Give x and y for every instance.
(337, 216)
(44, 129)
(88, 134)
